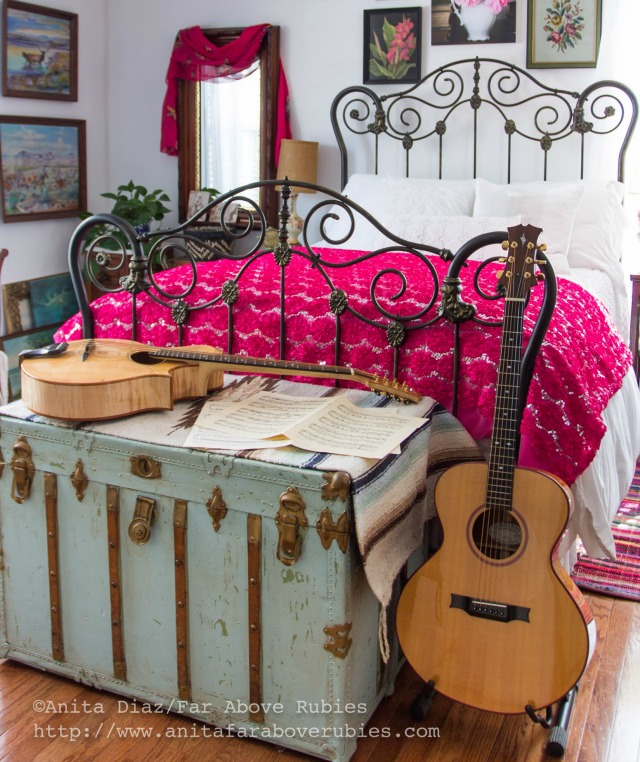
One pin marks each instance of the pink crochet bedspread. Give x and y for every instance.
(580, 366)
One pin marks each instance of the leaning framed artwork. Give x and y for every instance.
(42, 168)
(39, 52)
(13, 345)
(563, 33)
(392, 46)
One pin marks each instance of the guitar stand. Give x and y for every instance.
(558, 725)
(557, 743)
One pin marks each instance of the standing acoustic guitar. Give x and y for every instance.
(492, 618)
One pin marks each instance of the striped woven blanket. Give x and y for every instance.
(392, 498)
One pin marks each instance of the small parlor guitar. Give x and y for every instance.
(93, 379)
(492, 618)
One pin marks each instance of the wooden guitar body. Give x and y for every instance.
(491, 617)
(113, 379)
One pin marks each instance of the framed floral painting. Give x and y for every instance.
(392, 46)
(563, 33)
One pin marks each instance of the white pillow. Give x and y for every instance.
(387, 197)
(553, 209)
(596, 236)
(446, 232)
(452, 232)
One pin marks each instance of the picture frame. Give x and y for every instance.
(39, 302)
(457, 23)
(13, 345)
(197, 201)
(39, 52)
(230, 217)
(564, 37)
(42, 168)
(16, 302)
(392, 46)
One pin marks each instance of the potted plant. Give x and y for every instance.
(135, 204)
(138, 206)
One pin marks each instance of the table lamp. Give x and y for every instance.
(298, 161)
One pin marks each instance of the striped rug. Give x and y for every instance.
(620, 578)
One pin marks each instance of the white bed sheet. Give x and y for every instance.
(599, 489)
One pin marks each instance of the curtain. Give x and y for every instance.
(196, 58)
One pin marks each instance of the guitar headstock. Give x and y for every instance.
(519, 274)
(390, 388)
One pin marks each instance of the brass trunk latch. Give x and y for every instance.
(79, 480)
(146, 467)
(143, 515)
(291, 522)
(217, 508)
(23, 470)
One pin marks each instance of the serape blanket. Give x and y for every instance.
(392, 498)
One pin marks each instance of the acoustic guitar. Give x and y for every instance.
(492, 618)
(93, 379)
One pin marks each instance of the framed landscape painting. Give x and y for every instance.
(40, 52)
(42, 167)
(563, 33)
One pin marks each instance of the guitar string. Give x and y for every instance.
(504, 436)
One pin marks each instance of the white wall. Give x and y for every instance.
(321, 48)
(40, 248)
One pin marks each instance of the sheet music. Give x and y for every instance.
(320, 424)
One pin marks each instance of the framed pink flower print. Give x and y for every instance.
(392, 46)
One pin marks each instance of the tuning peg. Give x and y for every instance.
(505, 245)
(540, 277)
(542, 247)
(529, 245)
(540, 262)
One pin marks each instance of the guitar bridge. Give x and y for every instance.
(499, 612)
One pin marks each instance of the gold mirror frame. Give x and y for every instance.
(189, 123)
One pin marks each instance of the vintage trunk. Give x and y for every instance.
(225, 588)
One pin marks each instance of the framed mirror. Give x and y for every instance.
(227, 127)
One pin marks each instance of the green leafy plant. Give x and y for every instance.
(137, 205)
(133, 203)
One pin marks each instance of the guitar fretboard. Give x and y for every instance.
(505, 423)
(255, 363)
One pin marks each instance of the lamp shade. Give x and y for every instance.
(298, 161)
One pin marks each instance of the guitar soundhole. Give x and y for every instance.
(144, 358)
(497, 534)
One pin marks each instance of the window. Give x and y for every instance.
(227, 127)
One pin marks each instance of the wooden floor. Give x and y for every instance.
(605, 726)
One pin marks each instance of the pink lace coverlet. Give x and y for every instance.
(580, 366)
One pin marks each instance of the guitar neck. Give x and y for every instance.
(504, 438)
(385, 386)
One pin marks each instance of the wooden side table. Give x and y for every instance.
(635, 319)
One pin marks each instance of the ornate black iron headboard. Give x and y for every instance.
(144, 256)
(495, 111)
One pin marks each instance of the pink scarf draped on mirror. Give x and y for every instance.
(196, 58)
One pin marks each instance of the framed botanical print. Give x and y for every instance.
(563, 33)
(42, 168)
(392, 45)
(39, 52)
